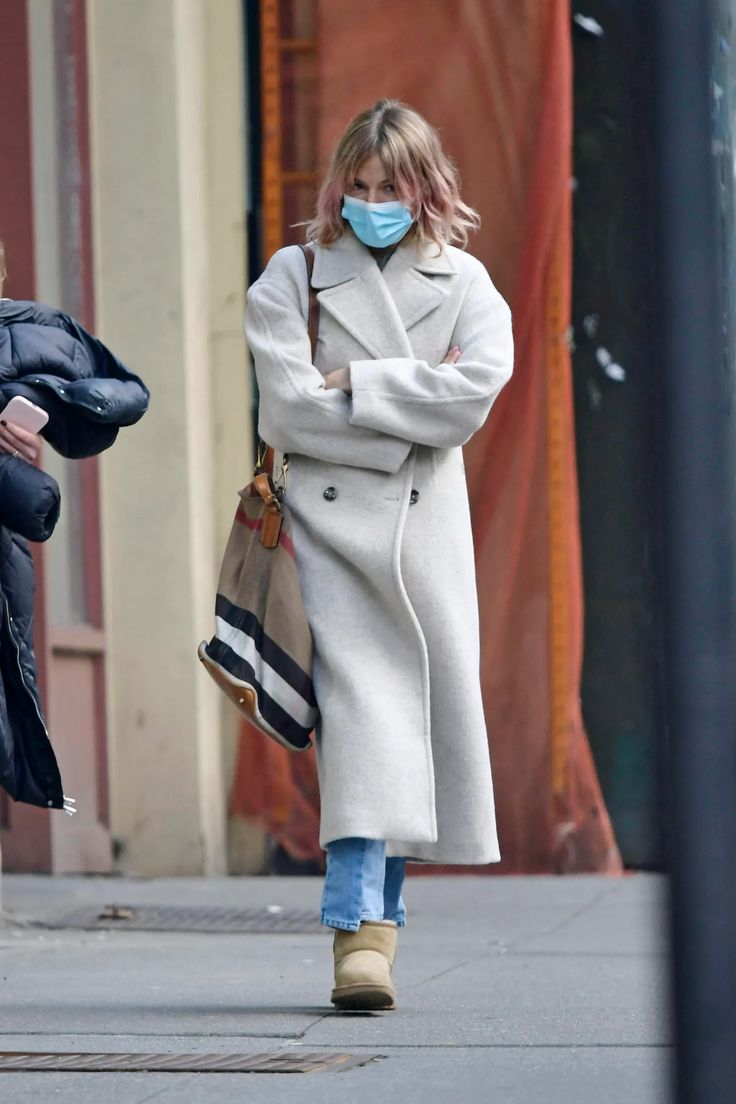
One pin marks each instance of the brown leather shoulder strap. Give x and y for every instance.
(265, 462)
(313, 316)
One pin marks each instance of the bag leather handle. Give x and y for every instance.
(263, 475)
(313, 314)
(265, 460)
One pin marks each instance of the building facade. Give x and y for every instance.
(155, 156)
(122, 201)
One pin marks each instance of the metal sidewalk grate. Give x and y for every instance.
(190, 919)
(317, 1062)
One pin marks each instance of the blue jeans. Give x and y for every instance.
(361, 884)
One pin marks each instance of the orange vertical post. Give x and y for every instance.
(272, 183)
(558, 430)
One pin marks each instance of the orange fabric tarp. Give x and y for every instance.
(495, 79)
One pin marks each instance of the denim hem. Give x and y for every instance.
(345, 925)
(341, 925)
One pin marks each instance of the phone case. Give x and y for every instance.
(25, 414)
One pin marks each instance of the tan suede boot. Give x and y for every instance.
(363, 963)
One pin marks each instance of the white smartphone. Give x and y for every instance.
(25, 414)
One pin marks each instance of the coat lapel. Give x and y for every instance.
(418, 282)
(378, 308)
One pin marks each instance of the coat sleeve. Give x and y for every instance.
(441, 405)
(87, 392)
(297, 413)
(69, 431)
(29, 499)
(108, 391)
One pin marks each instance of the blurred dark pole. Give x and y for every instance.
(695, 66)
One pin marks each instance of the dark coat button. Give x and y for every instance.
(413, 497)
(329, 493)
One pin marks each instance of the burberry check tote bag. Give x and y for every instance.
(261, 653)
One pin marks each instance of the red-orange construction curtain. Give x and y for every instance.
(494, 76)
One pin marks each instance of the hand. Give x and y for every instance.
(340, 378)
(453, 355)
(18, 441)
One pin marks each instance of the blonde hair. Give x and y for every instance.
(423, 175)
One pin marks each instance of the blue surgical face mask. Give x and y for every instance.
(377, 224)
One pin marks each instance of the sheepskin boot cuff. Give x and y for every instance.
(363, 963)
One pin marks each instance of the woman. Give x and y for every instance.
(414, 346)
(46, 357)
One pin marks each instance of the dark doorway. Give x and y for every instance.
(617, 388)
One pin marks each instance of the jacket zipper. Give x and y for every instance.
(20, 669)
(9, 621)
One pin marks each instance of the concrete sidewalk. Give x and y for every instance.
(511, 990)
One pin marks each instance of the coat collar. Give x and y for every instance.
(379, 308)
(347, 257)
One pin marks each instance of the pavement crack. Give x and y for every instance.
(567, 919)
(158, 1092)
(571, 1046)
(286, 1036)
(451, 969)
(319, 1020)
(504, 948)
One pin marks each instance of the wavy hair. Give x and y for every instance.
(424, 176)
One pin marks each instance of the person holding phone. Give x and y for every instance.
(18, 441)
(57, 382)
(20, 423)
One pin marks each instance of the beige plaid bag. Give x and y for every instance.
(261, 653)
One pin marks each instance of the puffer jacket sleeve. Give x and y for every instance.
(113, 394)
(88, 393)
(29, 499)
(108, 391)
(297, 412)
(69, 431)
(441, 405)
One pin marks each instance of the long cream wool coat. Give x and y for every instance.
(377, 490)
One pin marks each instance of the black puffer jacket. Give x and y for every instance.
(48, 358)
(29, 508)
(89, 394)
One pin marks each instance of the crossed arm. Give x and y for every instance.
(369, 413)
